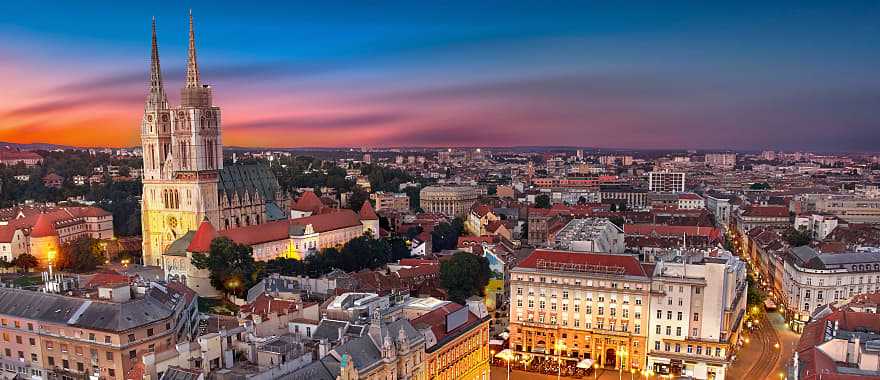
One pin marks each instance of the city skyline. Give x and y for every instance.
(685, 75)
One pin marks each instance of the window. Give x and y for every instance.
(659, 329)
(677, 347)
(150, 332)
(696, 317)
(638, 329)
(669, 315)
(657, 345)
(697, 290)
(109, 355)
(668, 330)
(717, 351)
(107, 339)
(92, 337)
(601, 310)
(66, 364)
(699, 348)
(111, 372)
(130, 338)
(659, 314)
(18, 339)
(678, 331)
(694, 333)
(132, 354)
(679, 315)
(80, 367)
(32, 341)
(51, 360)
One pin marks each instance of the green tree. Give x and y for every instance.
(25, 262)
(797, 238)
(760, 186)
(357, 199)
(399, 248)
(445, 235)
(542, 201)
(464, 275)
(231, 266)
(81, 255)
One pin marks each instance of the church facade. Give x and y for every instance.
(184, 180)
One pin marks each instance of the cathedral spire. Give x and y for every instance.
(192, 67)
(157, 98)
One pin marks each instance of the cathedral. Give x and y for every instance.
(184, 180)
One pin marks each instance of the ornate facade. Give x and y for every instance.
(184, 178)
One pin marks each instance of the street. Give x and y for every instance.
(767, 351)
(500, 373)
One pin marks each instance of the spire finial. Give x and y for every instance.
(192, 67)
(157, 97)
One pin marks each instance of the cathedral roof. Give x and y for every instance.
(248, 180)
(367, 212)
(201, 242)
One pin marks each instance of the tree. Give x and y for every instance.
(797, 238)
(542, 201)
(582, 200)
(445, 235)
(399, 248)
(464, 275)
(613, 207)
(25, 261)
(357, 199)
(760, 186)
(231, 266)
(81, 255)
(414, 231)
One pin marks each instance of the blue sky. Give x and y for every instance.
(743, 75)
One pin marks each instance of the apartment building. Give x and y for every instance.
(812, 279)
(590, 235)
(574, 306)
(391, 201)
(52, 336)
(698, 304)
(721, 160)
(666, 181)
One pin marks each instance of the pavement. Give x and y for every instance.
(500, 373)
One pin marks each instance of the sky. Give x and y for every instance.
(630, 74)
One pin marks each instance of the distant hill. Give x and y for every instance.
(35, 146)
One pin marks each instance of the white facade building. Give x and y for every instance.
(698, 304)
(666, 181)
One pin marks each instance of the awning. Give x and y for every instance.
(506, 354)
(496, 342)
(586, 363)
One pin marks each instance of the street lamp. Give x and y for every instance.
(596, 371)
(621, 354)
(632, 372)
(559, 347)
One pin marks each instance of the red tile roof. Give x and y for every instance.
(308, 202)
(481, 210)
(766, 211)
(265, 304)
(259, 233)
(201, 242)
(44, 226)
(331, 221)
(367, 212)
(436, 321)
(628, 265)
(106, 278)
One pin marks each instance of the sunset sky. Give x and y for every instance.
(664, 74)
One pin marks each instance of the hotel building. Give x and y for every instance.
(574, 305)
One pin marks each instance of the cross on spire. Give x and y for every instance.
(192, 67)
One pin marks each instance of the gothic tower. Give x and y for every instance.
(182, 155)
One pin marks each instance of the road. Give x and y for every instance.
(767, 352)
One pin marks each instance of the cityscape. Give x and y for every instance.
(465, 191)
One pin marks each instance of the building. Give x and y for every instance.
(691, 201)
(842, 344)
(391, 201)
(853, 209)
(590, 235)
(11, 157)
(294, 238)
(761, 216)
(382, 350)
(456, 343)
(666, 181)
(819, 226)
(479, 218)
(574, 306)
(55, 336)
(721, 160)
(448, 200)
(720, 208)
(635, 198)
(698, 305)
(40, 231)
(812, 279)
(184, 181)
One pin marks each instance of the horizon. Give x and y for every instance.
(745, 77)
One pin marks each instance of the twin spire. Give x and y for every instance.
(157, 97)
